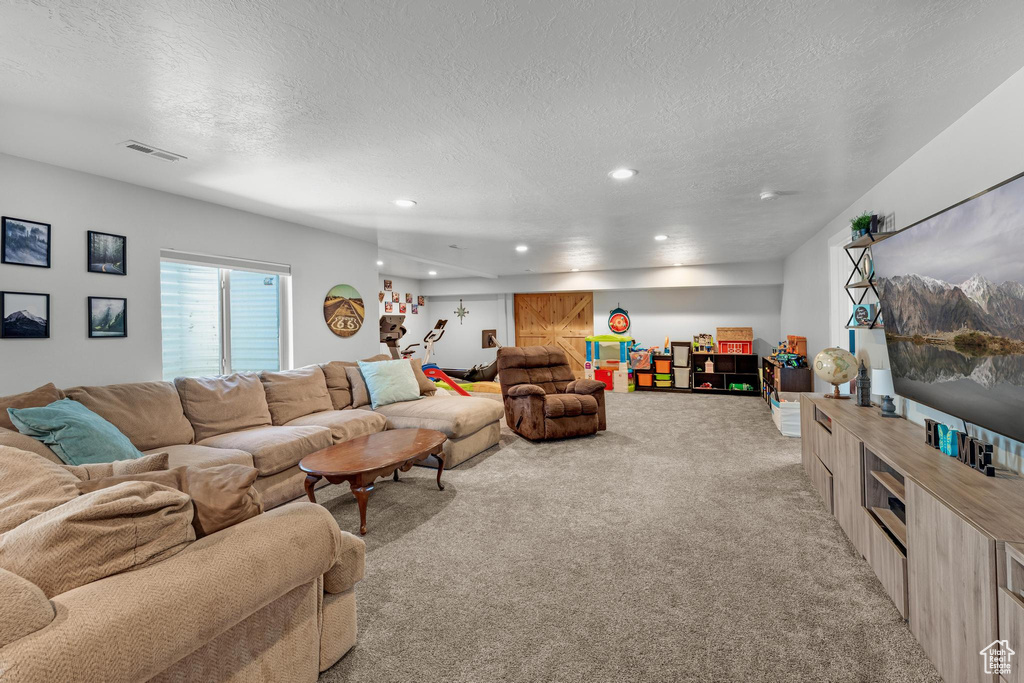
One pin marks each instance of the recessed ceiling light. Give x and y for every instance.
(521, 248)
(405, 203)
(769, 195)
(677, 264)
(380, 263)
(433, 272)
(623, 173)
(574, 270)
(661, 238)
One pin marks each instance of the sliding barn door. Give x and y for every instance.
(563, 319)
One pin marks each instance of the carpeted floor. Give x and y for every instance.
(683, 544)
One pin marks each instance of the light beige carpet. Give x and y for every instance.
(683, 544)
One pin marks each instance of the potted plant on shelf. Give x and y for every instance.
(860, 225)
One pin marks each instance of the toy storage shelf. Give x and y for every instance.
(729, 368)
(779, 377)
(674, 363)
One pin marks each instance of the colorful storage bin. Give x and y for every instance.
(644, 379)
(663, 365)
(682, 378)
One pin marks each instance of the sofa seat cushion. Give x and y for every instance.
(194, 455)
(148, 413)
(274, 449)
(294, 393)
(223, 404)
(568, 427)
(345, 425)
(98, 534)
(569, 405)
(153, 462)
(24, 609)
(30, 485)
(454, 416)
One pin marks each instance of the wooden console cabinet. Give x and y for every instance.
(944, 541)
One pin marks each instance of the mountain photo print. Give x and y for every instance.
(24, 315)
(952, 297)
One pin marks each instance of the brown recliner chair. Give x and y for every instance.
(543, 399)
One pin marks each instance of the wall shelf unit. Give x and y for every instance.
(860, 285)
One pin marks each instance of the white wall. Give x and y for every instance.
(984, 147)
(683, 312)
(461, 345)
(416, 325)
(75, 202)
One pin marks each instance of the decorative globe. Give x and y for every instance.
(836, 366)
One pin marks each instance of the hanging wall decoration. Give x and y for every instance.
(387, 285)
(24, 243)
(420, 300)
(415, 308)
(108, 317)
(107, 253)
(344, 310)
(24, 315)
(618, 320)
(401, 308)
(461, 311)
(395, 298)
(389, 307)
(408, 297)
(380, 296)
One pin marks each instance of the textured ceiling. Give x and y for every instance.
(502, 119)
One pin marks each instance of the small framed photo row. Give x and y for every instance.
(108, 317)
(24, 315)
(107, 253)
(24, 243)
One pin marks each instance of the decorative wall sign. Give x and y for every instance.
(344, 310)
(401, 308)
(408, 297)
(389, 307)
(24, 243)
(618, 320)
(395, 298)
(461, 311)
(106, 253)
(380, 296)
(24, 315)
(415, 308)
(108, 317)
(421, 300)
(387, 285)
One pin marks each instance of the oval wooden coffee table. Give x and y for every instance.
(362, 460)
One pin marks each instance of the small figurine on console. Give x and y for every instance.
(863, 386)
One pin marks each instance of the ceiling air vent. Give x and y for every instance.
(149, 150)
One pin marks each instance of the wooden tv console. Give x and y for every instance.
(953, 562)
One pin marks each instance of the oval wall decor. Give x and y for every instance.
(618, 320)
(344, 310)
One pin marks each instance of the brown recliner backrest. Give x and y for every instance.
(545, 366)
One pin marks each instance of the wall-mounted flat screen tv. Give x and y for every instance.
(951, 289)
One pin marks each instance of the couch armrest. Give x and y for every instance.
(24, 608)
(145, 620)
(584, 386)
(525, 390)
(349, 563)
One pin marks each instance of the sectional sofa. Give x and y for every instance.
(272, 420)
(271, 598)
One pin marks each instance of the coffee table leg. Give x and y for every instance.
(396, 475)
(440, 469)
(311, 480)
(362, 494)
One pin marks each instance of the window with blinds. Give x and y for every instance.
(219, 320)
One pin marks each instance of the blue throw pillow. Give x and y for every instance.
(389, 381)
(76, 434)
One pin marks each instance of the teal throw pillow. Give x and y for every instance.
(76, 434)
(389, 381)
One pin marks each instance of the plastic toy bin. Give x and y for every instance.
(663, 365)
(682, 377)
(644, 379)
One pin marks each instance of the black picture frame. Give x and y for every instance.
(4, 330)
(4, 221)
(91, 266)
(91, 328)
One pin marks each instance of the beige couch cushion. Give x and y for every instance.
(154, 462)
(220, 405)
(148, 413)
(98, 534)
(427, 388)
(24, 442)
(37, 398)
(24, 608)
(194, 455)
(295, 393)
(456, 416)
(222, 496)
(274, 449)
(30, 485)
(345, 425)
(360, 392)
(337, 383)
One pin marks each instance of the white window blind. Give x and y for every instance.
(218, 320)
